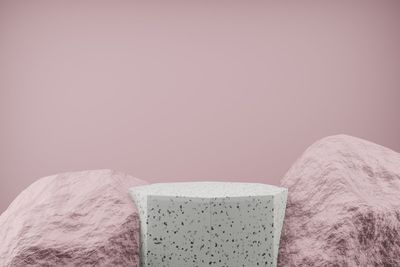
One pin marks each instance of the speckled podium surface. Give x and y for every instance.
(209, 223)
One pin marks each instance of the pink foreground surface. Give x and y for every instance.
(343, 210)
(343, 206)
(74, 219)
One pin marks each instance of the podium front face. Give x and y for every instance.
(210, 223)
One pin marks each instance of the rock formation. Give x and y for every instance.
(343, 206)
(73, 219)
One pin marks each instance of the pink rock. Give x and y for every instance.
(343, 206)
(74, 219)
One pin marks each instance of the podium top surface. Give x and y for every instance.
(207, 189)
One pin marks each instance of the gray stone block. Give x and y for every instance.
(209, 223)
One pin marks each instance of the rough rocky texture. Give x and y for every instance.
(343, 206)
(73, 219)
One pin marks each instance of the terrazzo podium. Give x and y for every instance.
(209, 223)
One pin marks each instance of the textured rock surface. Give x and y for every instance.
(74, 219)
(343, 206)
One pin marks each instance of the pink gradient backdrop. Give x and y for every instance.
(185, 90)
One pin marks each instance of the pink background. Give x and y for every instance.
(185, 90)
